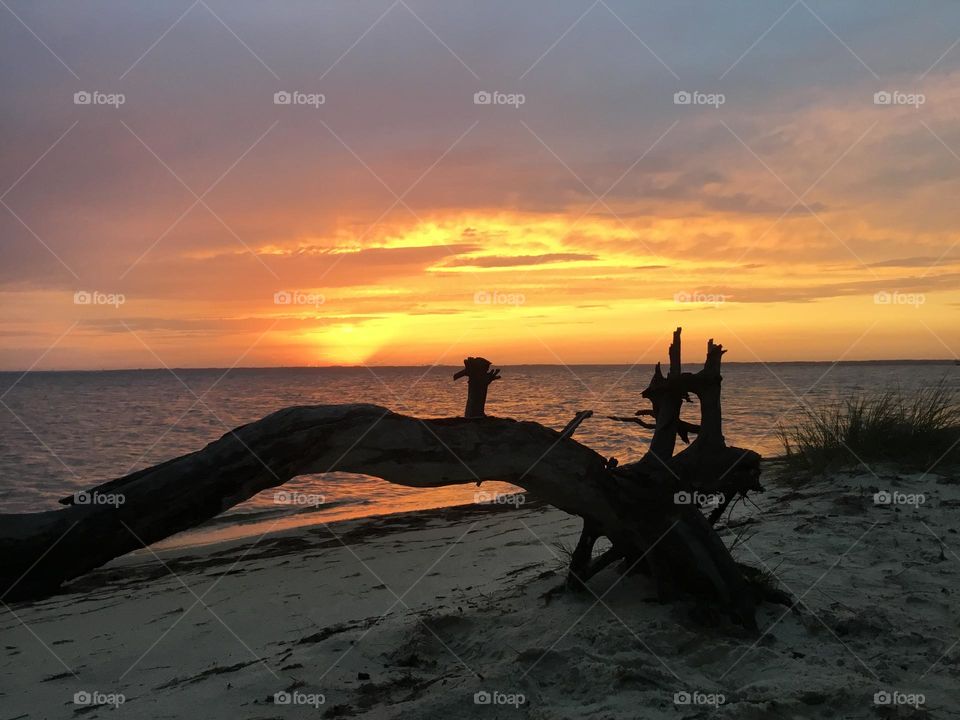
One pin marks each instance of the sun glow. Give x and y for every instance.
(352, 343)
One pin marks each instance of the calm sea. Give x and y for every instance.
(65, 431)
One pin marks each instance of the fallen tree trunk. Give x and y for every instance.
(635, 506)
(39, 551)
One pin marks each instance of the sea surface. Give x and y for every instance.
(61, 432)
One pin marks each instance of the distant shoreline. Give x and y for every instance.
(945, 361)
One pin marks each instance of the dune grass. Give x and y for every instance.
(912, 431)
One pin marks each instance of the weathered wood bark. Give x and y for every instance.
(633, 505)
(707, 467)
(479, 376)
(666, 396)
(48, 548)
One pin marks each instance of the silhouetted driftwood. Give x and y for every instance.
(642, 507)
(707, 470)
(479, 376)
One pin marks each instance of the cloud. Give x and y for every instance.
(922, 261)
(598, 191)
(505, 261)
(813, 292)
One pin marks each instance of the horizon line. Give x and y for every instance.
(897, 361)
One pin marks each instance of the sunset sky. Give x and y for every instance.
(799, 218)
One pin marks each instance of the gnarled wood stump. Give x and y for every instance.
(479, 376)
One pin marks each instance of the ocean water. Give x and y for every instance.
(61, 432)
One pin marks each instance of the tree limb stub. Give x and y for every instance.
(479, 376)
(577, 420)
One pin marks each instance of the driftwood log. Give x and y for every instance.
(649, 509)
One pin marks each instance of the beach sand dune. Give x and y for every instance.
(439, 614)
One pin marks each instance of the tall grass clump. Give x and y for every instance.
(912, 431)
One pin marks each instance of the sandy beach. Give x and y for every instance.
(440, 614)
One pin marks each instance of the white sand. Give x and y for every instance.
(324, 617)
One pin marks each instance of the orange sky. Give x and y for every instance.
(406, 224)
